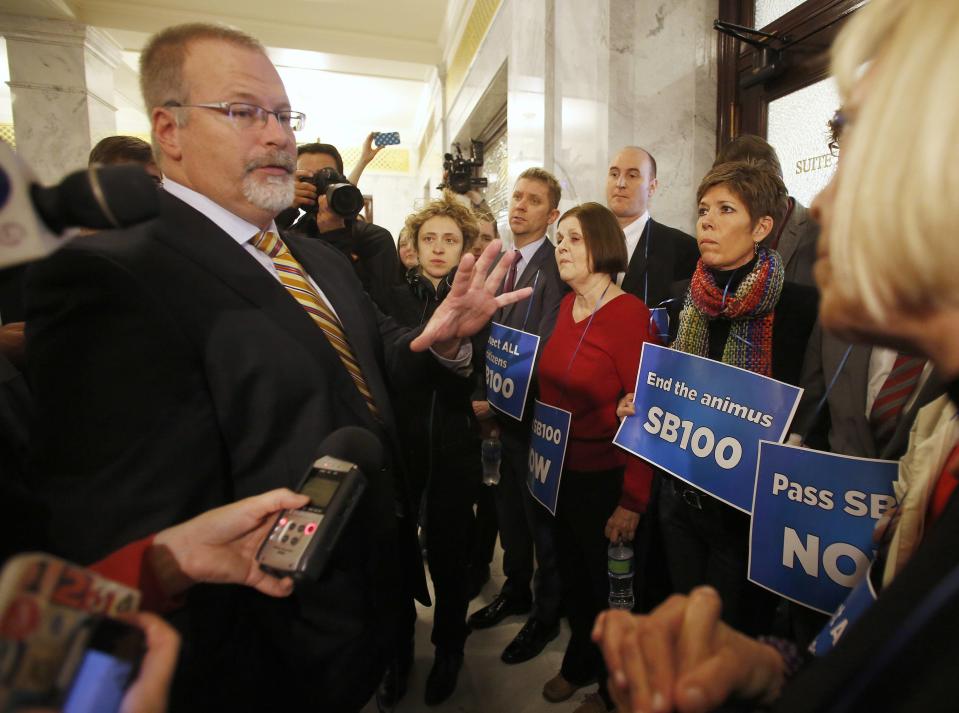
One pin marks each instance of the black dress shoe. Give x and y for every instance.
(494, 612)
(395, 681)
(476, 576)
(530, 641)
(441, 682)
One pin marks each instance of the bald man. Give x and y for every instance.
(658, 255)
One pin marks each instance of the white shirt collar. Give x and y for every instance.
(528, 251)
(633, 232)
(233, 225)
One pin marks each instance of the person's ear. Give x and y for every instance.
(764, 226)
(166, 133)
(552, 217)
(653, 185)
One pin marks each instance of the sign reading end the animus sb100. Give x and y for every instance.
(702, 421)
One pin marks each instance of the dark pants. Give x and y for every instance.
(707, 542)
(485, 528)
(586, 500)
(524, 524)
(450, 494)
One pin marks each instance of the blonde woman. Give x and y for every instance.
(887, 265)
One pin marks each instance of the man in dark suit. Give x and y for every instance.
(795, 241)
(658, 255)
(843, 425)
(197, 359)
(525, 525)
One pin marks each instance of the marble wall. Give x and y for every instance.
(61, 83)
(585, 78)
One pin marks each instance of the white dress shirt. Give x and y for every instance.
(881, 361)
(633, 232)
(525, 255)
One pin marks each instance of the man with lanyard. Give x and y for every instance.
(658, 255)
(522, 521)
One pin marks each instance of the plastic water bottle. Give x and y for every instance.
(619, 563)
(492, 451)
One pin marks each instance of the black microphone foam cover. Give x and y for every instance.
(101, 197)
(354, 445)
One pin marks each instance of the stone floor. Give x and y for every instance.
(486, 684)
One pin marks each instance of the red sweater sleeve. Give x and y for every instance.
(638, 476)
(129, 566)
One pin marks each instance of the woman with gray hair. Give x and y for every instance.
(887, 267)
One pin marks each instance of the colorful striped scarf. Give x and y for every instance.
(750, 309)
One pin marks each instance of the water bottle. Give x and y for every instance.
(619, 563)
(492, 451)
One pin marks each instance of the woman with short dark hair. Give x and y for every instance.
(737, 310)
(589, 362)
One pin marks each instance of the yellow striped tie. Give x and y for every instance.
(294, 280)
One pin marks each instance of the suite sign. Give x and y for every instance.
(814, 163)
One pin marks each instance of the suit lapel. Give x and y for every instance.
(545, 252)
(192, 234)
(633, 281)
(789, 240)
(857, 383)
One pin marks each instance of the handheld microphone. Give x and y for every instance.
(35, 221)
(301, 541)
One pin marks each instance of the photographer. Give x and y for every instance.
(369, 248)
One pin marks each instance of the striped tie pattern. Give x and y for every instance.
(892, 397)
(294, 280)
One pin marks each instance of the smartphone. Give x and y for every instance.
(387, 138)
(105, 667)
(302, 540)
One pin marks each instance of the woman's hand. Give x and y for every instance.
(625, 407)
(622, 524)
(682, 657)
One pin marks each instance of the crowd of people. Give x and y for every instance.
(173, 382)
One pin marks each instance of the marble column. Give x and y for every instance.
(674, 99)
(61, 82)
(586, 78)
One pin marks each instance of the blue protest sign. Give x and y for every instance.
(547, 451)
(702, 421)
(813, 518)
(862, 596)
(510, 356)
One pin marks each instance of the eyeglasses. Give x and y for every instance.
(249, 116)
(836, 126)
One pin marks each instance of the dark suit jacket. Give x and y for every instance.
(797, 245)
(172, 373)
(543, 306)
(841, 426)
(672, 257)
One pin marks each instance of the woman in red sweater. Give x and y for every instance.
(589, 362)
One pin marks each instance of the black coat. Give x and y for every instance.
(172, 373)
(672, 257)
(437, 426)
(370, 249)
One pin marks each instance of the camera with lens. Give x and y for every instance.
(342, 197)
(460, 174)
